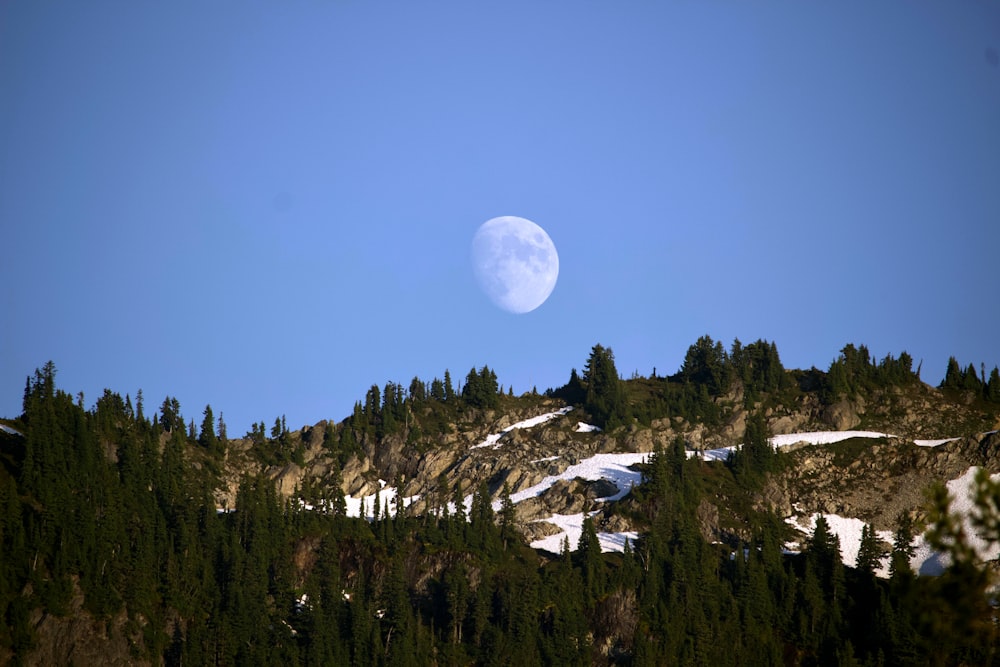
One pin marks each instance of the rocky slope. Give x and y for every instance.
(871, 479)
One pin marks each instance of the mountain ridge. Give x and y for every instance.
(458, 482)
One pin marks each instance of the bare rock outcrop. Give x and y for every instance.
(842, 415)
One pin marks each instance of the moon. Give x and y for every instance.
(515, 263)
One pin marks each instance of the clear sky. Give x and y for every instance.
(269, 206)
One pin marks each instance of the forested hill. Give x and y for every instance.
(134, 536)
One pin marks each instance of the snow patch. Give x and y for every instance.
(788, 439)
(493, 439)
(11, 430)
(934, 443)
(571, 527)
(848, 531)
(823, 437)
(364, 508)
(587, 428)
(612, 467)
(928, 561)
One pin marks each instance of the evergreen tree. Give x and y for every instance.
(706, 363)
(508, 514)
(449, 390)
(223, 439)
(207, 438)
(573, 392)
(605, 399)
(902, 547)
(591, 562)
(970, 379)
(336, 502)
(993, 386)
(418, 391)
(437, 390)
(170, 414)
(139, 416)
(869, 552)
(953, 375)
(756, 457)
(481, 390)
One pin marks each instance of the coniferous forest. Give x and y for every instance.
(107, 514)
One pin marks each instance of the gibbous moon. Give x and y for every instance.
(515, 262)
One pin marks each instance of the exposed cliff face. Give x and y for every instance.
(77, 638)
(873, 480)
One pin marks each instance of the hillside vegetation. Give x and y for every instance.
(129, 537)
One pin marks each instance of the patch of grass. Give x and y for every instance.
(848, 451)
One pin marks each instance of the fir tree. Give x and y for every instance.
(605, 399)
(993, 386)
(207, 438)
(902, 547)
(970, 379)
(591, 563)
(449, 390)
(508, 514)
(869, 552)
(953, 375)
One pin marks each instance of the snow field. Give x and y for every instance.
(926, 560)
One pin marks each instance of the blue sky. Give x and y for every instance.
(269, 206)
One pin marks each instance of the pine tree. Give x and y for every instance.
(605, 399)
(953, 375)
(902, 547)
(706, 363)
(508, 513)
(459, 501)
(993, 386)
(223, 435)
(449, 390)
(437, 390)
(756, 457)
(418, 391)
(591, 562)
(336, 503)
(869, 552)
(170, 414)
(970, 379)
(207, 437)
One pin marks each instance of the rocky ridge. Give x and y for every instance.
(873, 480)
